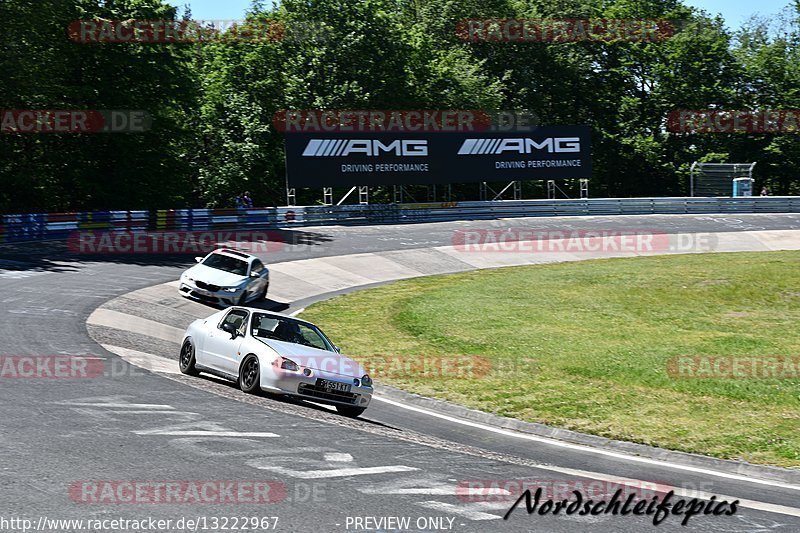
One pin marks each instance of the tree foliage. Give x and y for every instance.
(212, 103)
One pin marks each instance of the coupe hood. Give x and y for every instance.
(215, 276)
(321, 360)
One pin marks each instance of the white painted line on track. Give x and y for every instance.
(338, 472)
(444, 491)
(16, 274)
(244, 434)
(450, 508)
(146, 412)
(588, 449)
(298, 312)
(338, 457)
(127, 406)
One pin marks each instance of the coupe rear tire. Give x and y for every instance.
(250, 375)
(350, 411)
(187, 359)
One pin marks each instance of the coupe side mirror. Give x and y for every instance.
(230, 329)
(255, 275)
(338, 349)
(198, 259)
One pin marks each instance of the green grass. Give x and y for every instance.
(585, 346)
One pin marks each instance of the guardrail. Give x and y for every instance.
(59, 226)
(432, 212)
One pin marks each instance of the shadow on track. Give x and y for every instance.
(288, 400)
(59, 256)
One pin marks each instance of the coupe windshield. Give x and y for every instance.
(226, 263)
(288, 330)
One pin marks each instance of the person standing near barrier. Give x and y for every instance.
(247, 202)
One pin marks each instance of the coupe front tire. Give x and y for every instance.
(187, 359)
(250, 375)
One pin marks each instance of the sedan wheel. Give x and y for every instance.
(187, 359)
(250, 375)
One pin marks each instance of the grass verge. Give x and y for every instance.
(587, 346)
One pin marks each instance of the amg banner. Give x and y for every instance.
(347, 159)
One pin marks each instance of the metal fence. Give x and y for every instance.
(59, 226)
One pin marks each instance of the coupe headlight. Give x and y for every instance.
(288, 364)
(366, 381)
(230, 289)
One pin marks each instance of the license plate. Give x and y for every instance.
(333, 385)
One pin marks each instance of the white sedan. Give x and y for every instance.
(226, 277)
(277, 354)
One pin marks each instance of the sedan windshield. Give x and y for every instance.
(226, 263)
(288, 330)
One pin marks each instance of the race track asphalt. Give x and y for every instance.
(129, 425)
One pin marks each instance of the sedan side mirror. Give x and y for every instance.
(198, 259)
(338, 350)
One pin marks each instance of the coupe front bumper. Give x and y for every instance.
(311, 387)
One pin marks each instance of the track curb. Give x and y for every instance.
(741, 468)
